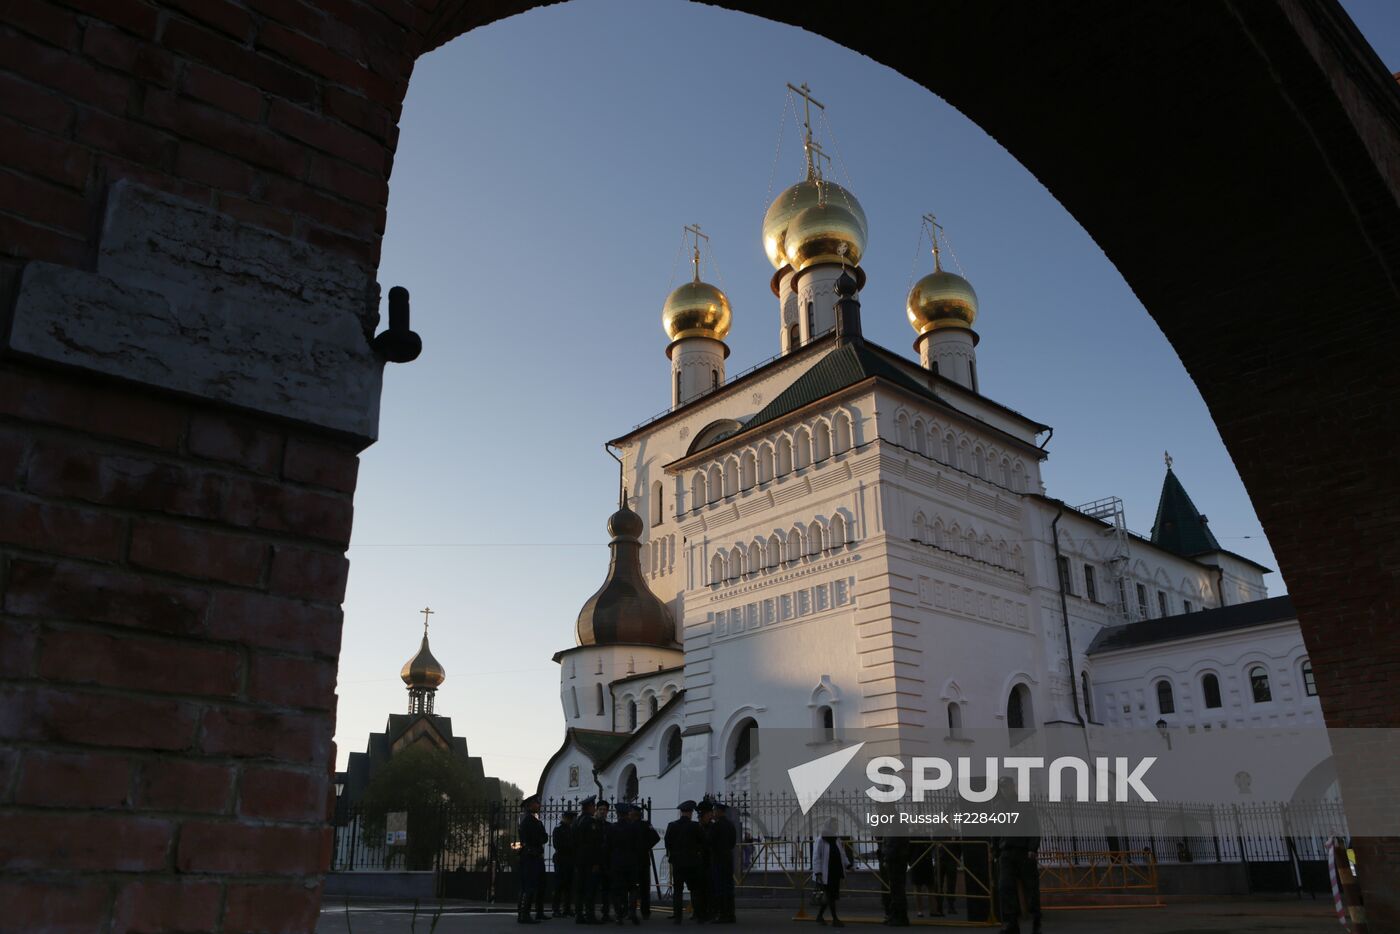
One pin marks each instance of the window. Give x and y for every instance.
(794, 337)
(1091, 586)
(1142, 601)
(1062, 563)
(631, 716)
(671, 748)
(811, 320)
(1259, 684)
(1162, 602)
(1187, 607)
(1018, 709)
(954, 721)
(652, 706)
(657, 504)
(972, 371)
(1166, 701)
(744, 745)
(678, 385)
(828, 723)
(714, 379)
(1210, 687)
(573, 700)
(598, 693)
(629, 784)
(1309, 682)
(1084, 693)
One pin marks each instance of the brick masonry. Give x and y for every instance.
(172, 557)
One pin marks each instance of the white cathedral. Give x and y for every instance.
(844, 538)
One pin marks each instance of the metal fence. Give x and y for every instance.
(775, 836)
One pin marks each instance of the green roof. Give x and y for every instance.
(1180, 528)
(844, 365)
(599, 745)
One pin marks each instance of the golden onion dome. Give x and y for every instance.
(941, 299)
(422, 670)
(696, 309)
(825, 233)
(793, 202)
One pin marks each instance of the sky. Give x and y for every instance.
(545, 168)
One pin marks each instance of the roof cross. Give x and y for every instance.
(933, 228)
(808, 100)
(1167, 456)
(695, 257)
(426, 613)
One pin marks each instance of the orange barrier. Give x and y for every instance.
(1099, 879)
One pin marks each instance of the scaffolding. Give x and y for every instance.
(1110, 510)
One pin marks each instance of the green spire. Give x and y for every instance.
(1180, 528)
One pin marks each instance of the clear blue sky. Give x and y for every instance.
(545, 168)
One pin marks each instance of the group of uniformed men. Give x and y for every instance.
(602, 864)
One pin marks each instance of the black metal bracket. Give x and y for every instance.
(399, 344)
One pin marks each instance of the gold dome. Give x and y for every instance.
(422, 670)
(825, 233)
(793, 202)
(941, 299)
(696, 309)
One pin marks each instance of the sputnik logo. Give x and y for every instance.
(810, 780)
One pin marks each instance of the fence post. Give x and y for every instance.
(1214, 832)
(1244, 854)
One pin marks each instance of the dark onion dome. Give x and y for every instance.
(422, 670)
(624, 610)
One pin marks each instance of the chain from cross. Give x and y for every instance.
(695, 257)
(426, 613)
(933, 228)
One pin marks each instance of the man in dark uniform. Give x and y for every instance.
(533, 838)
(588, 854)
(723, 838)
(564, 865)
(894, 860)
(629, 843)
(600, 816)
(645, 842)
(705, 909)
(685, 850)
(1018, 870)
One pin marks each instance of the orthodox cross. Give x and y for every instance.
(1167, 456)
(426, 613)
(808, 100)
(695, 257)
(933, 228)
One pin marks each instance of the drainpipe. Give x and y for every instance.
(1064, 617)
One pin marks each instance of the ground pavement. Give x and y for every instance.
(1277, 916)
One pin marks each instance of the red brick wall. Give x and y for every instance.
(170, 582)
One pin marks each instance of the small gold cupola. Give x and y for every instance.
(422, 674)
(942, 308)
(696, 318)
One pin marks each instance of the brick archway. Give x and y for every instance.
(175, 495)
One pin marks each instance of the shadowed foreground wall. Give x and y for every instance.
(192, 196)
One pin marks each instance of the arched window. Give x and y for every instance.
(794, 544)
(827, 720)
(628, 787)
(748, 470)
(1210, 687)
(697, 491)
(918, 436)
(755, 558)
(598, 694)
(901, 430)
(678, 386)
(736, 562)
(744, 745)
(1309, 681)
(1166, 701)
(714, 379)
(671, 748)
(631, 715)
(715, 482)
(775, 550)
(658, 512)
(1020, 719)
(841, 430)
(955, 721)
(652, 706)
(765, 463)
(717, 569)
(821, 442)
(1018, 478)
(815, 543)
(838, 531)
(1005, 472)
(794, 337)
(920, 530)
(731, 476)
(1084, 693)
(979, 463)
(784, 456)
(950, 449)
(801, 448)
(573, 700)
(1259, 684)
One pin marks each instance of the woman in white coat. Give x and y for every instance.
(831, 860)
